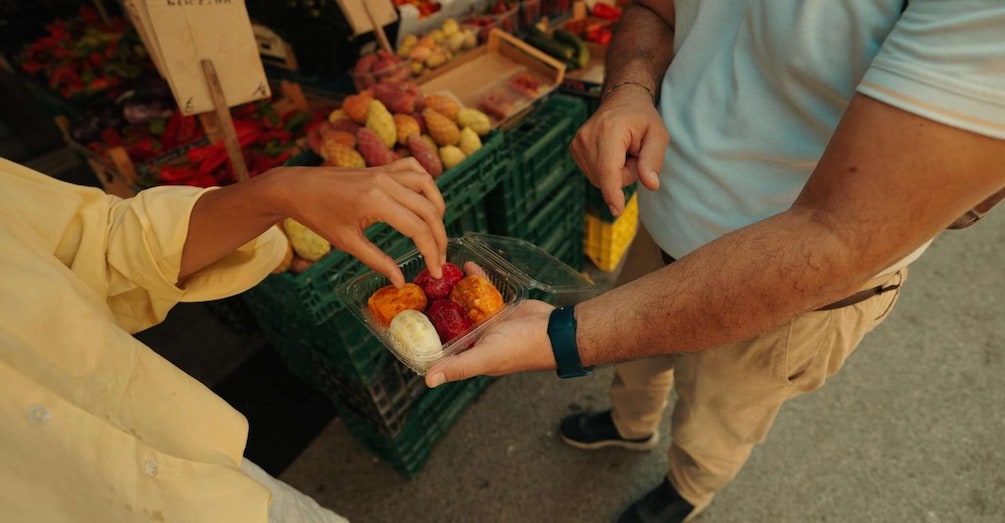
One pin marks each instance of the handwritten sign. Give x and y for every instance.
(355, 12)
(181, 33)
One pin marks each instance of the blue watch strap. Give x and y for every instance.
(562, 333)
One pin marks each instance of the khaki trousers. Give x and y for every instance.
(727, 397)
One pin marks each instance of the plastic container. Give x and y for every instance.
(483, 24)
(515, 267)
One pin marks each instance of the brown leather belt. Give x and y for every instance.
(859, 296)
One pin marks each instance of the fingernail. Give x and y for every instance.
(614, 210)
(436, 380)
(653, 176)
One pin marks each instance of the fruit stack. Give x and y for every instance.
(390, 121)
(437, 47)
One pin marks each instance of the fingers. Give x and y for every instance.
(376, 259)
(415, 217)
(467, 364)
(650, 164)
(611, 162)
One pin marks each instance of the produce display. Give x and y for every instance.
(83, 56)
(562, 44)
(451, 306)
(437, 47)
(501, 14)
(395, 120)
(267, 137)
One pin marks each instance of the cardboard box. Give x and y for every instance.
(484, 77)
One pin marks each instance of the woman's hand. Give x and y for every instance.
(624, 141)
(339, 204)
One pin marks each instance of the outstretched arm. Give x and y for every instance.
(338, 204)
(888, 182)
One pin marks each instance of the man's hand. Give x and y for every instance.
(519, 342)
(624, 141)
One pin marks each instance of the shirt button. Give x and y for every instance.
(150, 467)
(39, 414)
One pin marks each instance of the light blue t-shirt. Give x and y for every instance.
(757, 87)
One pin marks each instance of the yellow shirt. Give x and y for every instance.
(95, 426)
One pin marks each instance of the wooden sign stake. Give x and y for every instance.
(226, 123)
(385, 44)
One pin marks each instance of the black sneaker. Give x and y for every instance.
(661, 505)
(593, 431)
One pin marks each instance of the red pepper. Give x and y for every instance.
(201, 180)
(605, 11)
(111, 137)
(197, 155)
(213, 161)
(188, 129)
(176, 174)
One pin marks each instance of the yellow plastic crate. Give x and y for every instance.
(605, 243)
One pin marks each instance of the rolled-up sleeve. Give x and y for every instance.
(146, 236)
(128, 251)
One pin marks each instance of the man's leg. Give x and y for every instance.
(640, 388)
(728, 397)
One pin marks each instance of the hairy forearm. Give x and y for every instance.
(225, 219)
(888, 182)
(642, 46)
(731, 289)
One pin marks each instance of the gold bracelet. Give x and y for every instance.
(618, 85)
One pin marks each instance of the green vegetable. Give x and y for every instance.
(582, 55)
(549, 45)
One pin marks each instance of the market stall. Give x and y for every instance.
(485, 95)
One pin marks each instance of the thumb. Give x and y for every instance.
(453, 368)
(650, 163)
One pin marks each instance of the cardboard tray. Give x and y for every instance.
(488, 71)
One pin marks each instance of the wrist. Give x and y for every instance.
(562, 332)
(275, 192)
(630, 89)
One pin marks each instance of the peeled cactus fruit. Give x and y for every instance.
(380, 121)
(414, 335)
(469, 142)
(426, 154)
(308, 244)
(341, 155)
(451, 155)
(475, 119)
(443, 130)
(443, 105)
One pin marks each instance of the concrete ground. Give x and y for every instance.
(910, 430)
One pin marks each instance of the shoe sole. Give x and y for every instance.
(648, 444)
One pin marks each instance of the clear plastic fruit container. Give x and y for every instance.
(514, 266)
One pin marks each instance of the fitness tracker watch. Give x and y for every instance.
(562, 333)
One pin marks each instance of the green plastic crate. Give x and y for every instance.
(541, 163)
(430, 418)
(596, 206)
